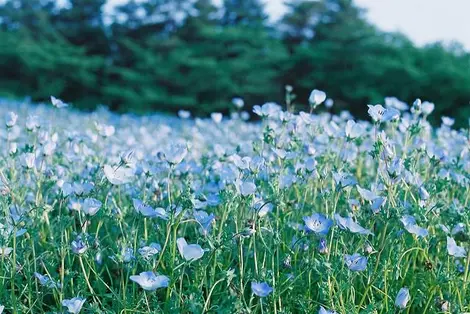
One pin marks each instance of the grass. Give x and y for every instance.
(242, 196)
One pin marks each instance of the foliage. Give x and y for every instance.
(169, 54)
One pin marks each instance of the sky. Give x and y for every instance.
(424, 21)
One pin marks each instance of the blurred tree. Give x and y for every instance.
(36, 59)
(243, 12)
(190, 54)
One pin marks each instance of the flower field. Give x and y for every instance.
(295, 213)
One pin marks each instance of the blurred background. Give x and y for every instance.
(165, 55)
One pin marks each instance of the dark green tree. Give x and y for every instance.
(243, 12)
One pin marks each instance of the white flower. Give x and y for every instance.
(29, 160)
(261, 289)
(32, 122)
(10, 119)
(105, 130)
(269, 109)
(49, 148)
(329, 103)
(448, 121)
(175, 154)
(190, 252)
(391, 114)
(216, 117)
(74, 305)
(5, 251)
(427, 107)
(238, 102)
(376, 112)
(353, 130)
(120, 175)
(184, 114)
(245, 188)
(149, 281)
(91, 206)
(393, 102)
(402, 299)
(2, 308)
(454, 250)
(58, 103)
(316, 97)
(13, 148)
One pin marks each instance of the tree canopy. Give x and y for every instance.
(191, 54)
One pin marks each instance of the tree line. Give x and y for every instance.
(168, 55)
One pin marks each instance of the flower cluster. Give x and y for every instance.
(295, 212)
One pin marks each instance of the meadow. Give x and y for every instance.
(304, 212)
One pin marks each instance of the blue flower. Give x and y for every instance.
(403, 297)
(261, 289)
(322, 246)
(190, 252)
(355, 262)
(318, 223)
(410, 225)
(149, 281)
(325, 311)
(351, 225)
